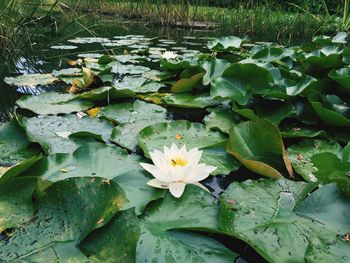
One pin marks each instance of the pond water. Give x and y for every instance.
(57, 49)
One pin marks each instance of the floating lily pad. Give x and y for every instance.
(331, 110)
(125, 134)
(64, 47)
(237, 83)
(127, 69)
(300, 155)
(258, 145)
(14, 146)
(53, 103)
(342, 76)
(225, 43)
(31, 80)
(52, 132)
(16, 206)
(276, 219)
(161, 239)
(188, 100)
(271, 54)
(214, 69)
(220, 119)
(180, 132)
(104, 244)
(127, 112)
(326, 57)
(56, 221)
(138, 85)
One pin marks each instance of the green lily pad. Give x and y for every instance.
(342, 76)
(53, 103)
(300, 155)
(237, 83)
(276, 219)
(330, 169)
(214, 69)
(225, 163)
(187, 84)
(56, 221)
(127, 69)
(225, 43)
(138, 85)
(31, 80)
(301, 131)
(16, 206)
(125, 134)
(14, 146)
(326, 57)
(99, 160)
(64, 47)
(52, 132)
(180, 132)
(331, 110)
(274, 110)
(162, 241)
(127, 112)
(221, 119)
(258, 145)
(104, 244)
(188, 100)
(272, 54)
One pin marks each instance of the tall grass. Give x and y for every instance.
(255, 18)
(19, 21)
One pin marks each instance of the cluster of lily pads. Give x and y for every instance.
(72, 187)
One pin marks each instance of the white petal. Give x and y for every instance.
(158, 159)
(194, 156)
(174, 150)
(200, 172)
(201, 186)
(158, 174)
(158, 184)
(177, 188)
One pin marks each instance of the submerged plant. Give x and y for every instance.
(174, 168)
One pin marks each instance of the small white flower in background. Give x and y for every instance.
(174, 168)
(169, 55)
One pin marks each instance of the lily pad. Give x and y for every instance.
(221, 119)
(104, 244)
(16, 206)
(56, 221)
(214, 69)
(127, 112)
(300, 155)
(331, 110)
(161, 240)
(188, 100)
(342, 76)
(14, 146)
(53, 103)
(237, 83)
(276, 219)
(180, 132)
(258, 145)
(31, 80)
(125, 134)
(52, 132)
(225, 43)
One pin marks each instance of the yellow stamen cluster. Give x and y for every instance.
(178, 161)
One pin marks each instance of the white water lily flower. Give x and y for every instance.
(174, 168)
(169, 55)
